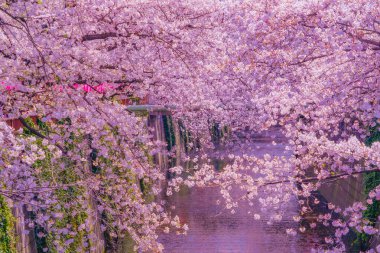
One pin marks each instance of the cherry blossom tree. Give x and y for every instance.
(311, 67)
(85, 145)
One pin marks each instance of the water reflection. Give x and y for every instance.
(214, 229)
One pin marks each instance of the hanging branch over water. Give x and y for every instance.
(310, 67)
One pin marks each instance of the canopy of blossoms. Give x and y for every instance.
(311, 67)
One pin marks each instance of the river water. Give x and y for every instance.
(213, 229)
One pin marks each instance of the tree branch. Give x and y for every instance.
(38, 134)
(315, 179)
(100, 36)
(31, 129)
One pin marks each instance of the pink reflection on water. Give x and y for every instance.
(214, 230)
